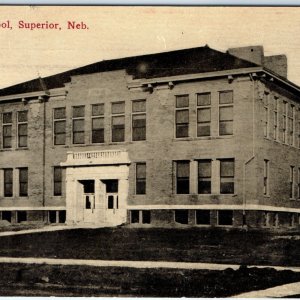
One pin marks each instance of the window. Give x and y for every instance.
(139, 120)
(183, 177)
(78, 124)
(8, 182)
(225, 217)
(140, 179)
(140, 215)
(57, 216)
(204, 176)
(59, 125)
(7, 129)
(227, 176)
(203, 217)
(291, 125)
(57, 181)
(21, 216)
(22, 128)
(266, 177)
(203, 114)
(182, 116)
(23, 182)
(275, 121)
(182, 216)
(118, 121)
(284, 122)
(98, 123)
(6, 215)
(266, 114)
(226, 113)
(292, 181)
(134, 216)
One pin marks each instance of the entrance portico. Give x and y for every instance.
(97, 187)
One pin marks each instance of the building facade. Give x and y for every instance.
(192, 137)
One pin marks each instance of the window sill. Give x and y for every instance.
(267, 196)
(203, 138)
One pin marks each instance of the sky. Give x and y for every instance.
(115, 32)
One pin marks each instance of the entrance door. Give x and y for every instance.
(88, 200)
(112, 200)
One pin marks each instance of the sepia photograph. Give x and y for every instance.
(150, 151)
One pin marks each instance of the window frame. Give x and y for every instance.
(21, 183)
(203, 107)
(75, 119)
(114, 115)
(101, 117)
(184, 178)
(7, 124)
(142, 179)
(55, 181)
(222, 177)
(226, 105)
(266, 184)
(178, 109)
(5, 194)
(139, 113)
(275, 118)
(19, 123)
(292, 183)
(58, 120)
(204, 177)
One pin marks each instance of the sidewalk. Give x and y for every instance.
(275, 292)
(134, 264)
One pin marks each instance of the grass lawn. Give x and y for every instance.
(45, 280)
(187, 245)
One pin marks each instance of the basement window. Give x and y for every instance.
(181, 216)
(203, 217)
(146, 216)
(225, 217)
(6, 216)
(21, 216)
(57, 216)
(134, 216)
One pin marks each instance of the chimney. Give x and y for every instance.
(277, 64)
(255, 54)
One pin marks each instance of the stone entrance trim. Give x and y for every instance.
(100, 167)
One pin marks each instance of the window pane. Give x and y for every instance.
(60, 113)
(141, 187)
(59, 127)
(8, 189)
(140, 170)
(22, 116)
(78, 111)
(182, 101)
(7, 118)
(60, 139)
(203, 217)
(57, 173)
(98, 123)
(6, 142)
(182, 116)
(78, 125)
(134, 216)
(204, 168)
(118, 120)
(23, 189)
(226, 97)
(226, 113)
(227, 168)
(139, 106)
(183, 169)
(98, 109)
(22, 129)
(203, 129)
(118, 108)
(98, 136)
(203, 115)
(139, 134)
(182, 216)
(226, 128)
(203, 99)
(146, 215)
(182, 131)
(139, 120)
(22, 141)
(78, 138)
(204, 186)
(225, 217)
(23, 175)
(118, 134)
(7, 130)
(8, 175)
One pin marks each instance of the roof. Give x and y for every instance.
(179, 62)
